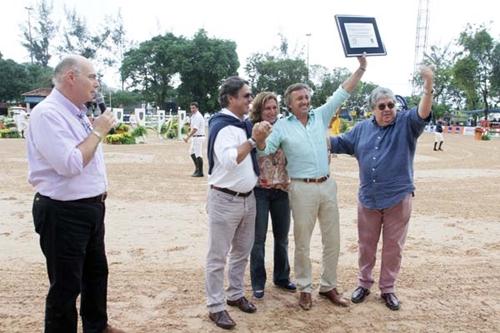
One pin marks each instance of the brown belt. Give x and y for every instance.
(312, 180)
(228, 191)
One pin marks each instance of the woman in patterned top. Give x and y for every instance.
(272, 197)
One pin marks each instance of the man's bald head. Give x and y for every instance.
(72, 62)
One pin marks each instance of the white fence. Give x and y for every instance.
(157, 120)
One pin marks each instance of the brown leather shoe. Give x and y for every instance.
(335, 297)
(222, 319)
(243, 304)
(305, 301)
(111, 329)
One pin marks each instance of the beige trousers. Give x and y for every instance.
(311, 201)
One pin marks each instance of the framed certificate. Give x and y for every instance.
(359, 34)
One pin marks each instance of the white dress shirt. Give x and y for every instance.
(226, 172)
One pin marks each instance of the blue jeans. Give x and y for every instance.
(275, 202)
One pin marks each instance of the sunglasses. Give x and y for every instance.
(382, 106)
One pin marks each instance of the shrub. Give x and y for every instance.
(121, 138)
(486, 136)
(122, 128)
(344, 126)
(9, 133)
(139, 131)
(170, 128)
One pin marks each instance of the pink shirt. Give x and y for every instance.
(54, 161)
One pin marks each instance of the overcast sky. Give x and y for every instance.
(255, 25)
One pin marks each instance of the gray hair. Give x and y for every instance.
(230, 87)
(379, 93)
(69, 63)
(294, 87)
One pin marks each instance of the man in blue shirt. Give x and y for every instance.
(385, 147)
(313, 194)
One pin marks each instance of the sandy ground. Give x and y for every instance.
(157, 234)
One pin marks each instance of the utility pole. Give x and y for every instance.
(422, 32)
(308, 35)
(29, 9)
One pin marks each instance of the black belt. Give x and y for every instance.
(312, 180)
(197, 136)
(228, 191)
(97, 199)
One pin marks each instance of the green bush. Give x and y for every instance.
(344, 126)
(169, 129)
(139, 131)
(122, 128)
(486, 136)
(121, 138)
(128, 139)
(9, 133)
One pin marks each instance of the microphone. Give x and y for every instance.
(99, 100)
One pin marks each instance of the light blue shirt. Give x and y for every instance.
(305, 147)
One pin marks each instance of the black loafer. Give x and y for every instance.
(359, 294)
(391, 301)
(290, 286)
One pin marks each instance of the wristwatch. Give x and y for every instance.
(252, 142)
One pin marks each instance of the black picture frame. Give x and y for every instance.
(360, 34)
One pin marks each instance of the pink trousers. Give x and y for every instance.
(393, 222)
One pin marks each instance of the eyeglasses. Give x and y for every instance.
(382, 106)
(247, 95)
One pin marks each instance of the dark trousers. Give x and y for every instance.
(72, 240)
(275, 202)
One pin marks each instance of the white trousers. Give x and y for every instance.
(197, 146)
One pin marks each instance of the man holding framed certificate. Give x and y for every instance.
(312, 192)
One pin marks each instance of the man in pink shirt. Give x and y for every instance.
(66, 168)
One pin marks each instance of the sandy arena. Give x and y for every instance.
(156, 240)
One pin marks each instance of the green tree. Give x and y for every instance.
(328, 83)
(38, 39)
(270, 73)
(120, 43)
(275, 70)
(446, 92)
(39, 76)
(79, 39)
(152, 67)
(495, 77)
(443, 60)
(127, 100)
(474, 71)
(15, 82)
(205, 62)
(466, 78)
